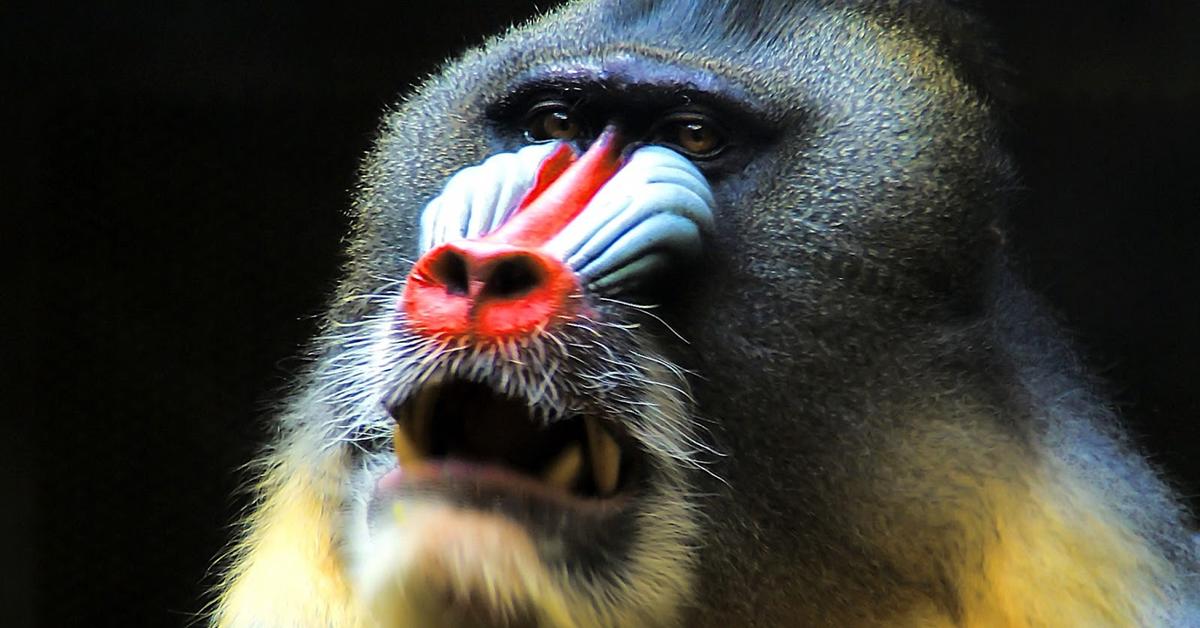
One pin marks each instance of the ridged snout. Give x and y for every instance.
(511, 244)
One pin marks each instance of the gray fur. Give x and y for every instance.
(855, 271)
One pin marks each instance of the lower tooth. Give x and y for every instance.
(406, 451)
(565, 469)
(606, 457)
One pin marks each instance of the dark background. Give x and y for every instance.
(177, 178)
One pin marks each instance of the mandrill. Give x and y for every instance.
(686, 313)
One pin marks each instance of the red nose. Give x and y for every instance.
(504, 285)
(488, 289)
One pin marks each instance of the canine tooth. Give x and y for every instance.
(606, 456)
(406, 452)
(564, 470)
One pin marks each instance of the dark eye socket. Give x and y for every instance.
(552, 120)
(694, 134)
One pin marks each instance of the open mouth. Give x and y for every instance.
(457, 430)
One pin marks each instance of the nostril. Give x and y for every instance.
(485, 290)
(512, 277)
(450, 270)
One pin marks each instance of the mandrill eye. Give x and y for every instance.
(693, 134)
(551, 120)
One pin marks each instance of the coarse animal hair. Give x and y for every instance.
(850, 410)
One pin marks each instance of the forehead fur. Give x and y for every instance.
(764, 28)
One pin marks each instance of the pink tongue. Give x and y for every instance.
(390, 480)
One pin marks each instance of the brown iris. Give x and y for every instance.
(693, 134)
(552, 121)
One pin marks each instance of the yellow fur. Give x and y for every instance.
(1058, 556)
(1031, 542)
(289, 572)
(1037, 548)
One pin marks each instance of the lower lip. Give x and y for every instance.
(391, 480)
(429, 474)
(398, 477)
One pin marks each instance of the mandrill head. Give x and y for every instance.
(613, 287)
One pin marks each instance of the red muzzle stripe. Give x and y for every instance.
(563, 187)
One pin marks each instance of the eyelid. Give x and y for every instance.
(545, 105)
(690, 115)
(686, 115)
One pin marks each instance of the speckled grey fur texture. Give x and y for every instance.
(853, 306)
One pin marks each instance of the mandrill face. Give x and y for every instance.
(610, 275)
(541, 443)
